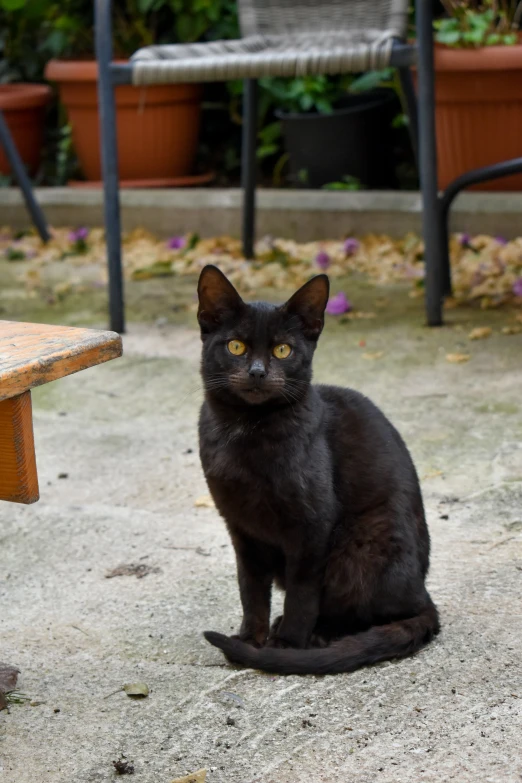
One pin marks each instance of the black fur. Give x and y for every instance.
(317, 489)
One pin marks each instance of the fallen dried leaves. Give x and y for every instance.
(132, 569)
(457, 358)
(205, 501)
(123, 767)
(480, 333)
(8, 679)
(484, 269)
(195, 777)
(432, 474)
(138, 690)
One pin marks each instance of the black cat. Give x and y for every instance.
(317, 489)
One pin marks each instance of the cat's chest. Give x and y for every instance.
(266, 487)
(254, 464)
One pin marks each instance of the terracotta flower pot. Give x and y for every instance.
(478, 111)
(23, 106)
(157, 125)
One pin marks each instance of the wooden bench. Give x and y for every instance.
(30, 355)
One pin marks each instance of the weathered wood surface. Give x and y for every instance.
(33, 354)
(18, 477)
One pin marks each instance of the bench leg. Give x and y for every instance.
(20, 174)
(18, 476)
(248, 165)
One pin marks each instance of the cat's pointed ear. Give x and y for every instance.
(309, 304)
(218, 299)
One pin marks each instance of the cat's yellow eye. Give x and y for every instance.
(282, 351)
(236, 347)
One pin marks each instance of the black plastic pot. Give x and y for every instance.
(356, 140)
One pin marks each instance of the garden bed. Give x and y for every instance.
(486, 270)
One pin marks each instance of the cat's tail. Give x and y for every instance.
(379, 643)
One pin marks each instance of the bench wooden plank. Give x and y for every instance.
(32, 354)
(18, 477)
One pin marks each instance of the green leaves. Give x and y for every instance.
(372, 80)
(35, 30)
(305, 94)
(448, 32)
(476, 24)
(345, 183)
(145, 6)
(268, 140)
(194, 19)
(12, 5)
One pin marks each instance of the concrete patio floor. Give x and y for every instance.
(124, 435)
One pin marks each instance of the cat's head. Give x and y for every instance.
(258, 352)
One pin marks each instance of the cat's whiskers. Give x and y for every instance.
(209, 383)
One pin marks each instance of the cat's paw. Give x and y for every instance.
(248, 639)
(275, 626)
(277, 643)
(316, 640)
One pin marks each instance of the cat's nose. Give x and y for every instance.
(257, 370)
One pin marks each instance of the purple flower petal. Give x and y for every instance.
(176, 243)
(351, 246)
(501, 240)
(517, 287)
(79, 235)
(338, 304)
(322, 259)
(465, 240)
(414, 272)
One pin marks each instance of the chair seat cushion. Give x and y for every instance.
(252, 57)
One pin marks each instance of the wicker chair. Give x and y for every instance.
(284, 38)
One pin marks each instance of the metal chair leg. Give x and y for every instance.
(109, 158)
(248, 165)
(410, 99)
(431, 213)
(20, 174)
(447, 288)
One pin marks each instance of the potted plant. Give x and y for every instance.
(23, 106)
(478, 62)
(22, 101)
(336, 131)
(157, 125)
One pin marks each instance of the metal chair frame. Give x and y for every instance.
(421, 111)
(20, 175)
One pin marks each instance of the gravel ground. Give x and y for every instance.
(123, 438)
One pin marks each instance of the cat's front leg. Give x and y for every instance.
(304, 578)
(255, 587)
